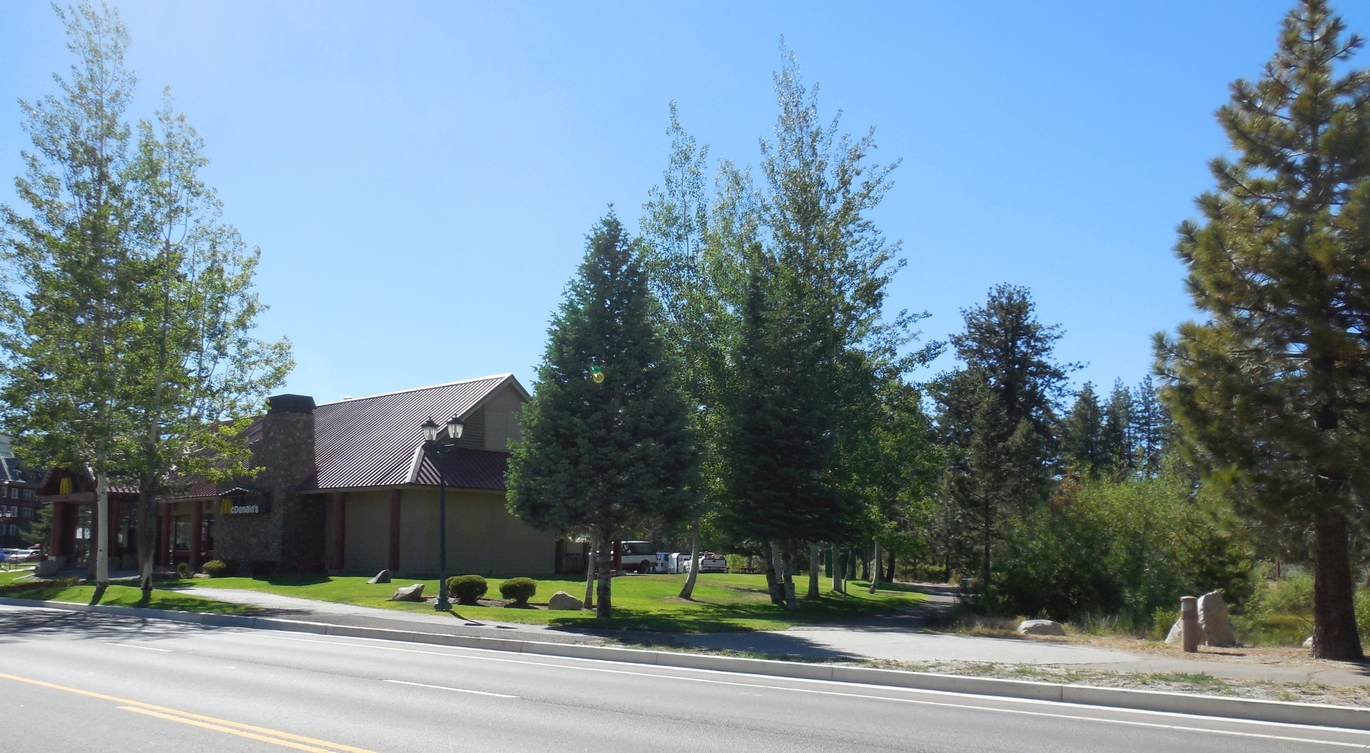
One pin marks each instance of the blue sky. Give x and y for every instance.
(420, 176)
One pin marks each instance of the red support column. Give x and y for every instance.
(197, 521)
(166, 535)
(59, 511)
(393, 563)
(339, 530)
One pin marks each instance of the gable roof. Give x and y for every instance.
(375, 441)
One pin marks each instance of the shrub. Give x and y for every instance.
(518, 590)
(183, 570)
(221, 568)
(467, 588)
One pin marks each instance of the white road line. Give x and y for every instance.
(454, 690)
(942, 704)
(133, 645)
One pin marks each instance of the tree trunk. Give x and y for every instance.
(604, 608)
(147, 539)
(784, 585)
(101, 525)
(889, 574)
(850, 568)
(865, 565)
(688, 591)
(1334, 615)
(837, 570)
(773, 582)
(815, 554)
(875, 565)
(590, 575)
(787, 579)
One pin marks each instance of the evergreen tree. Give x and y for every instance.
(1082, 436)
(606, 445)
(1269, 394)
(996, 420)
(1117, 435)
(1150, 423)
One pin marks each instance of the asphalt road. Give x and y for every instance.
(71, 681)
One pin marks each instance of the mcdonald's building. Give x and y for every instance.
(342, 487)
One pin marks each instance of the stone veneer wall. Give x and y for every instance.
(291, 533)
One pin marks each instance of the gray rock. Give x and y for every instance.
(409, 593)
(1308, 643)
(1176, 634)
(1215, 622)
(380, 577)
(50, 566)
(563, 600)
(1041, 627)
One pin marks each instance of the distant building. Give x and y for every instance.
(345, 487)
(18, 499)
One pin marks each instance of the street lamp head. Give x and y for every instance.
(454, 428)
(430, 430)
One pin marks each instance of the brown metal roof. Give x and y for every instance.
(374, 441)
(465, 469)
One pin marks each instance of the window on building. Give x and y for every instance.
(180, 533)
(14, 530)
(28, 494)
(26, 513)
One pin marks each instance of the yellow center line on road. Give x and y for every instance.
(208, 722)
(228, 730)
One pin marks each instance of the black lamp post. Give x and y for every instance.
(441, 447)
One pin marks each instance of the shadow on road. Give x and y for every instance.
(16, 624)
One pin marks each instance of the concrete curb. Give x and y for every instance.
(1345, 717)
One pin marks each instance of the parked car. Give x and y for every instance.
(708, 563)
(638, 557)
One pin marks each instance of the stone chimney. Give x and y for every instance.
(286, 454)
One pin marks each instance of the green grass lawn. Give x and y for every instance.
(722, 602)
(115, 595)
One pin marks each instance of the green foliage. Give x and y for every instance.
(183, 570)
(126, 321)
(1268, 392)
(11, 589)
(518, 590)
(1122, 549)
(467, 588)
(1161, 621)
(611, 456)
(221, 568)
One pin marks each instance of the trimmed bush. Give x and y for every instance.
(467, 588)
(221, 568)
(518, 590)
(183, 569)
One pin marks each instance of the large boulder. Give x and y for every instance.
(1214, 620)
(563, 600)
(49, 567)
(408, 593)
(380, 577)
(1041, 627)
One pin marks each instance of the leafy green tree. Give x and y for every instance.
(607, 446)
(1269, 394)
(128, 321)
(70, 309)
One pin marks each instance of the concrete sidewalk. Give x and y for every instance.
(898, 637)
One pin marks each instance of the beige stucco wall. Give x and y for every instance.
(482, 537)
(501, 419)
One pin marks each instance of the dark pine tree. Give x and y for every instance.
(1082, 436)
(1269, 393)
(606, 446)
